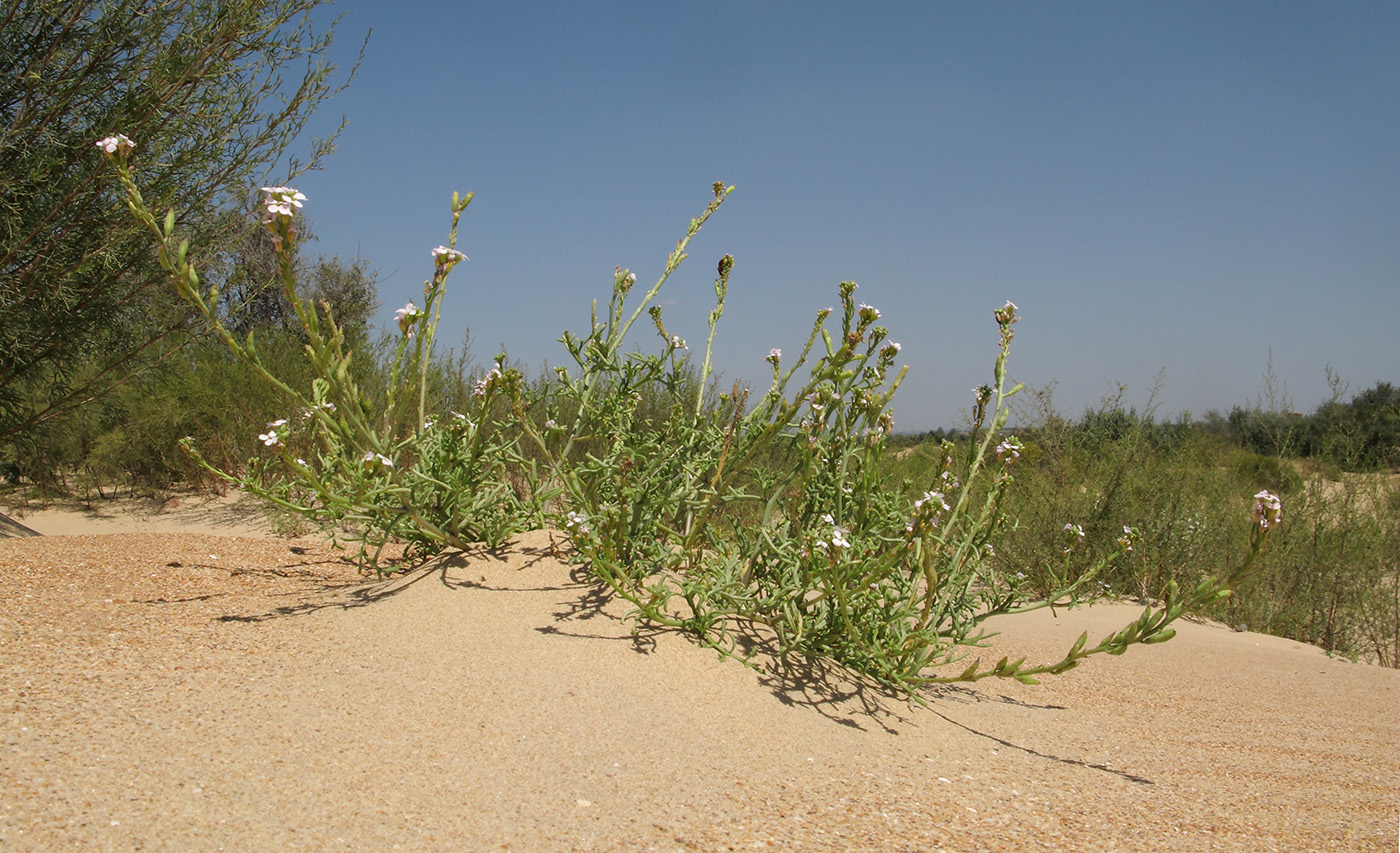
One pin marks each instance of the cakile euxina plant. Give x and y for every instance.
(367, 467)
(726, 516)
(774, 517)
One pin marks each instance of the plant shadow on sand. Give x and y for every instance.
(818, 685)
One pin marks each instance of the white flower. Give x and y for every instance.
(677, 342)
(577, 523)
(1010, 450)
(1268, 510)
(444, 258)
(869, 313)
(932, 497)
(631, 278)
(406, 317)
(301, 462)
(479, 389)
(370, 459)
(550, 424)
(269, 438)
(774, 354)
(112, 144)
(1074, 530)
(281, 201)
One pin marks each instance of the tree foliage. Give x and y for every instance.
(214, 92)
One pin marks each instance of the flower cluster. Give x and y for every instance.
(576, 524)
(406, 317)
(113, 144)
(773, 356)
(479, 389)
(444, 258)
(279, 207)
(837, 540)
(280, 202)
(374, 460)
(869, 313)
(1268, 510)
(1074, 534)
(1128, 539)
(1009, 450)
(926, 512)
(271, 437)
(1006, 318)
(677, 342)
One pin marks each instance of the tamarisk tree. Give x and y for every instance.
(217, 91)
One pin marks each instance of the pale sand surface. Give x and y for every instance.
(186, 691)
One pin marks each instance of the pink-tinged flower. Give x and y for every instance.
(932, 497)
(372, 460)
(576, 524)
(631, 278)
(869, 313)
(406, 317)
(1006, 314)
(773, 355)
(113, 144)
(678, 343)
(1009, 450)
(1268, 510)
(280, 201)
(1074, 534)
(270, 438)
(444, 257)
(479, 390)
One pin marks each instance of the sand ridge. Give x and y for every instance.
(178, 691)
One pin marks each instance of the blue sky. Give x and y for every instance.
(1178, 187)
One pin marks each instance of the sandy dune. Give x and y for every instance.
(188, 691)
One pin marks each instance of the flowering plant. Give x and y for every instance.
(368, 467)
(771, 519)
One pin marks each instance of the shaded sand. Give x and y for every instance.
(231, 514)
(197, 692)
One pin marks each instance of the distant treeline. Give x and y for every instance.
(1362, 434)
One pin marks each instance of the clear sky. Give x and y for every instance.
(1182, 187)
